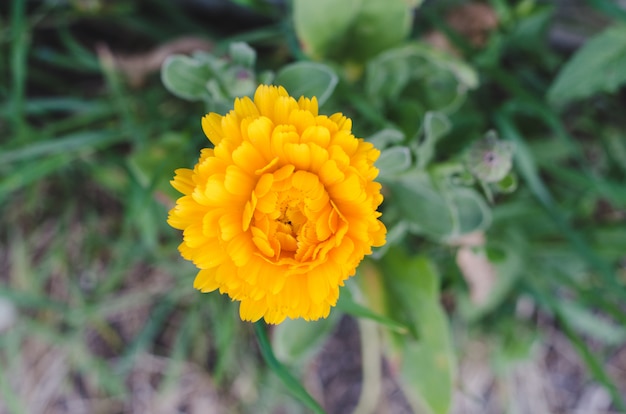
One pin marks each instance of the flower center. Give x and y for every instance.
(291, 216)
(291, 208)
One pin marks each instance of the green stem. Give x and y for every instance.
(292, 384)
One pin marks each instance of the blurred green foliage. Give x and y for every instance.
(86, 156)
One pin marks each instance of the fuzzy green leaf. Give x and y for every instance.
(351, 30)
(598, 66)
(428, 363)
(308, 79)
(438, 213)
(393, 160)
(436, 125)
(386, 138)
(186, 77)
(392, 71)
(347, 304)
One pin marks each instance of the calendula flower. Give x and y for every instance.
(282, 210)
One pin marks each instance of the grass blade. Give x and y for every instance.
(19, 50)
(529, 171)
(10, 347)
(24, 176)
(40, 106)
(146, 336)
(592, 362)
(70, 143)
(33, 301)
(588, 357)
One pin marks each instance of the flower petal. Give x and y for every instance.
(317, 284)
(212, 127)
(237, 181)
(205, 281)
(252, 311)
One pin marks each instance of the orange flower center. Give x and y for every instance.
(291, 217)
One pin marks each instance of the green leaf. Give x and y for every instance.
(378, 27)
(428, 363)
(438, 213)
(415, 61)
(469, 211)
(598, 66)
(394, 160)
(295, 340)
(436, 125)
(388, 74)
(351, 30)
(420, 74)
(386, 137)
(321, 24)
(186, 77)
(349, 306)
(308, 79)
(421, 205)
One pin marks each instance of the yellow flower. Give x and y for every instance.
(283, 208)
